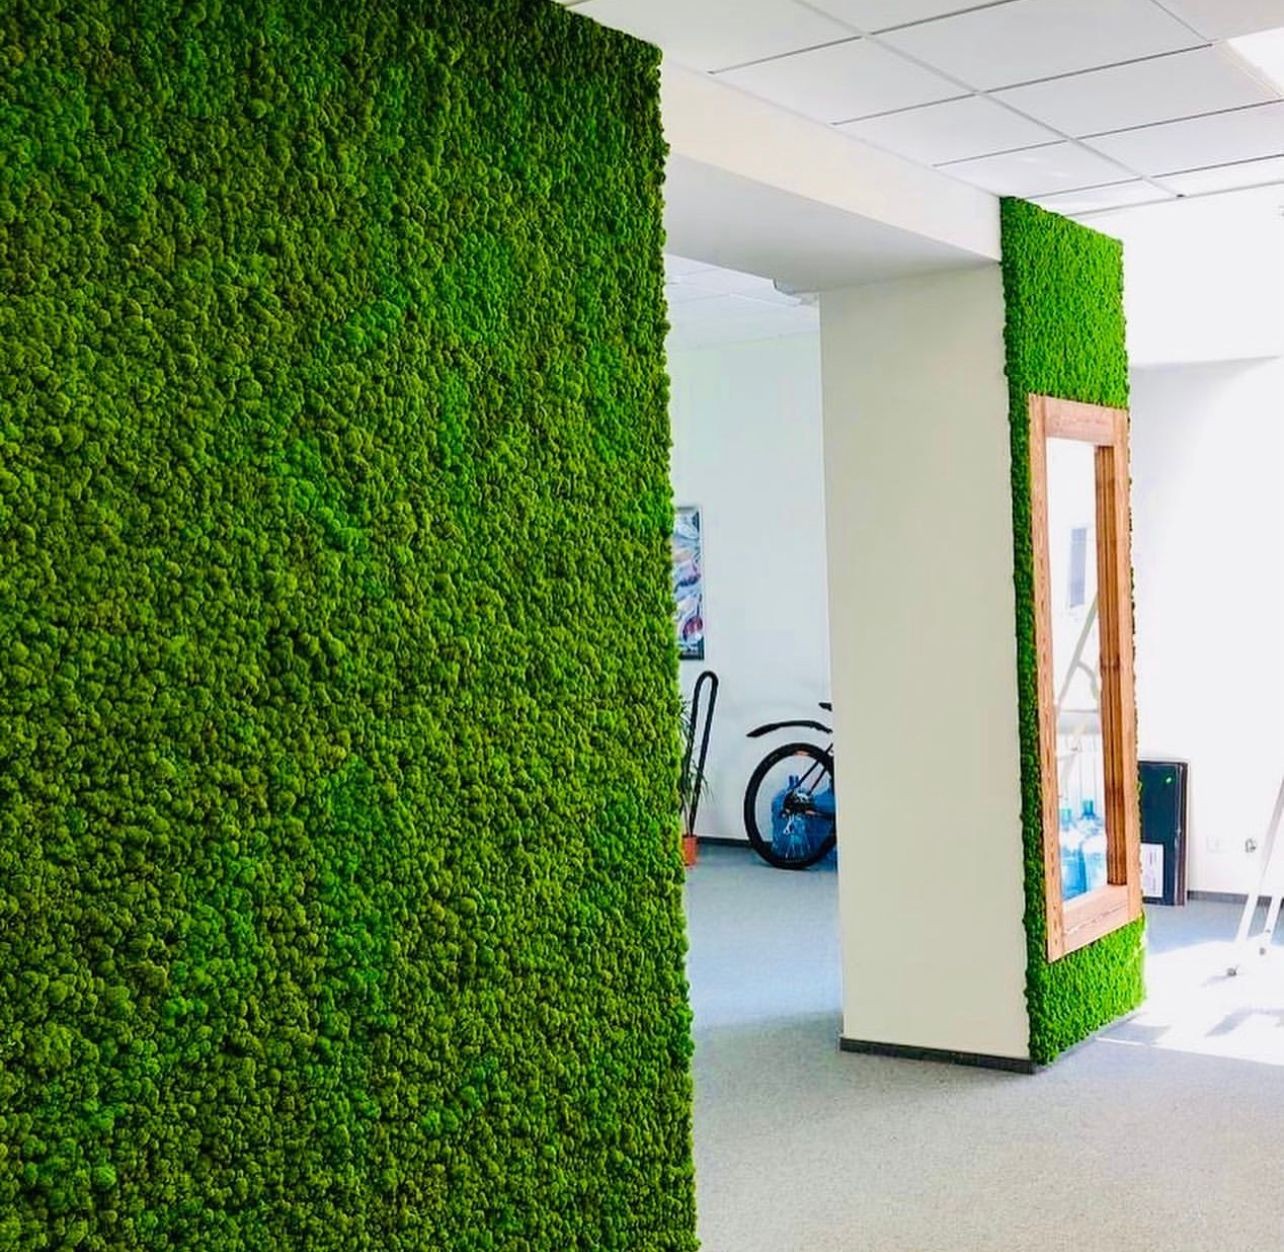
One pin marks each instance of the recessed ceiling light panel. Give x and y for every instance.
(1263, 54)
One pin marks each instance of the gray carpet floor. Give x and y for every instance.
(1162, 1135)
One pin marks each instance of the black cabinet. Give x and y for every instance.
(1163, 831)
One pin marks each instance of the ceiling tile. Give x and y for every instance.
(682, 293)
(1024, 40)
(715, 34)
(952, 131)
(717, 281)
(687, 282)
(876, 15)
(1228, 177)
(1098, 199)
(1218, 139)
(841, 82)
(1142, 93)
(679, 266)
(1038, 171)
(729, 319)
(1223, 19)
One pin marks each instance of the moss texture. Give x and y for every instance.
(1063, 285)
(339, 883)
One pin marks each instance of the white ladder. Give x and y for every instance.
(1265, 874)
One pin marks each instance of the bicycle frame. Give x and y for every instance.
(805, 783)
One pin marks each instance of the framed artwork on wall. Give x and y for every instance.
(688, 581)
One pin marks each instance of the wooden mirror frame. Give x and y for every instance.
(1075, 923)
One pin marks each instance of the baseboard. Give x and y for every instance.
(1225, 897)
(906, 1052)
(721, 841)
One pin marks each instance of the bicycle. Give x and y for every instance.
(789, 800)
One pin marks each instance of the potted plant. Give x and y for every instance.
(697, 716)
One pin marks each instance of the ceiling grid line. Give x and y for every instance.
(1036, 98)
(1134, 175)
(1017, 86)
(1188, 117)
(783, 56)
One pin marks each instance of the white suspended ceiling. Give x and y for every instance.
(710, 305)
(1085, 105)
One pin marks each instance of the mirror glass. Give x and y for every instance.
(1076, 664)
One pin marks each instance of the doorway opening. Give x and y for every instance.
(751, 583)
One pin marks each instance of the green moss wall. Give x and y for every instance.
(339, 882)
(1063, 285)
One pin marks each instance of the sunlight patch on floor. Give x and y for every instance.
(1194, 1005)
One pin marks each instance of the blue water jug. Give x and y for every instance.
(1073, 876)
(822, 816)
(1095, 871)
(797, 834)
(791, 834)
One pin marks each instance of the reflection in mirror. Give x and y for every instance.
(1090, 818)
(1076, 664)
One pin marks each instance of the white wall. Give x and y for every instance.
(1204, 279)
(747, 449)
(922, 614)
(1208, 544)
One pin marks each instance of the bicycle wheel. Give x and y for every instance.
(789, 806)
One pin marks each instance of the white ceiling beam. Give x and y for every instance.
(736, 158)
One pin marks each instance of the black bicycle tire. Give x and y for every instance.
(761, 846)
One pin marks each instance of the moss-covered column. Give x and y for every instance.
(1063, 287)
(340, 894)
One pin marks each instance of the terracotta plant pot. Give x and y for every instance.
(690, 850)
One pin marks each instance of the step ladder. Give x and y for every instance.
(1077, 725)
(1268, 872)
